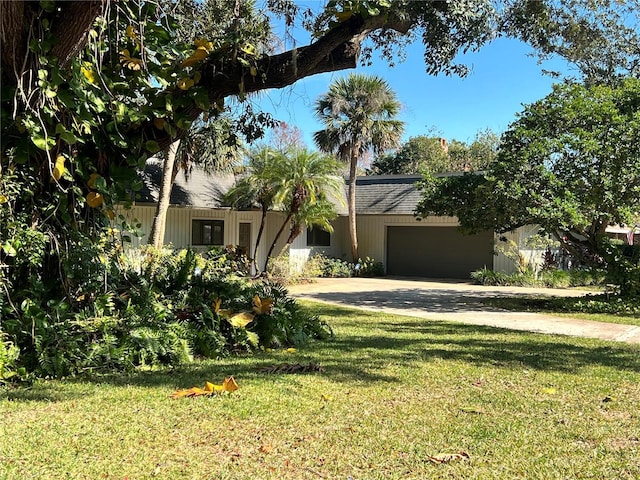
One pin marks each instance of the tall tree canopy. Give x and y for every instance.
(435, 155)
(569, 163)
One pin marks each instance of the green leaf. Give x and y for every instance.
(42, 143)
(69, 138)
(201, 99)
(9, 249)
(152, 146)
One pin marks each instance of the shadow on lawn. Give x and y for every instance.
(366, 357)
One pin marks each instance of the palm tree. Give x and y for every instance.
(359, 115)
(303, 179)
(256, 188)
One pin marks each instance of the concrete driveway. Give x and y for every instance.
(457, 302)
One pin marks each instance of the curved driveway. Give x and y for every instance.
(458, 302)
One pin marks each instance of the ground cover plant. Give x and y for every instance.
(391, 397)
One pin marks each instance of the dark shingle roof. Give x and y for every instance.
(379, 194)
(387, 194)
(198, 189)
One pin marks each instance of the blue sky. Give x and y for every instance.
(503, 78)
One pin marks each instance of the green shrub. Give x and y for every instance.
(489, 277)
(556, 278)
(146, 308)
(368, 268)
(9, 353)
(337, 268)
(552, 278)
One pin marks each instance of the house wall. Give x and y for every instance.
(522, 237)
(301, 252)
(178, 230)
(371, 234)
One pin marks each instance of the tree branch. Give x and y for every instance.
(337, 50)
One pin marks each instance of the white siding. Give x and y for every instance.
(300, 252)
(179, 221)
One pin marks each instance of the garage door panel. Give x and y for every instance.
(438, 252)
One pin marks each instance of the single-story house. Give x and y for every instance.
(387, 229)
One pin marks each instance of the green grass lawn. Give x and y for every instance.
(394, 391)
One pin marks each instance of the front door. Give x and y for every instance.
(244, 238)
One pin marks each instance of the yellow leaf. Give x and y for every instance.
(549, 391)
(248, 49)
(216, 305)
(471, 409)
(253, 71)
(241, 320)
(130, 62)
(58, 169)
(89, 74)
(265, 448)
(326, 398)
(197, 56)
(131, 32)
(230, 385)
(204, 44)
(185, 83)
(3, 199)
(291, 350)
(94, 199)
(448, 457)
(262, 305)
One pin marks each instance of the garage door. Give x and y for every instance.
(437, 252)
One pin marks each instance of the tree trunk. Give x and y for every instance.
(353, 234)
(296, 230)
(169, 173)
(275, 240)
(259, 237)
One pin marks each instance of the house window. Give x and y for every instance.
(316, 237)
(207, 232)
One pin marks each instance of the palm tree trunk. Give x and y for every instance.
(275, 240)
(353, 234)
(169, 173)
(296, 230)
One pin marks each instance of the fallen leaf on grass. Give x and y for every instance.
(472, 409)
(549, 391)
(326, 398)
(292, 368)
(228, 385)
(265, 448)
(448, 457)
